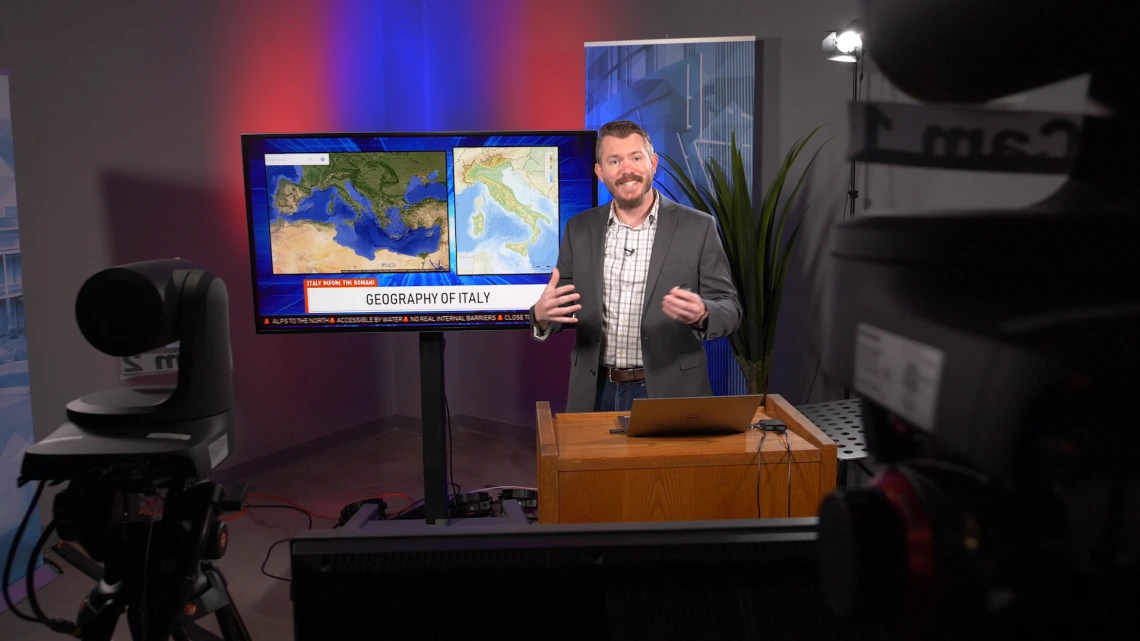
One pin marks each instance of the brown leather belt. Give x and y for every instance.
(627, 375)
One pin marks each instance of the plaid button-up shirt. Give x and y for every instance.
(625, 271)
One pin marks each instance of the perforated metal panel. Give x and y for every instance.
(842, 421)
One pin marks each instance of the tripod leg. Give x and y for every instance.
(229, 619)
(100, 612)
(78, 560)
(192, 632)
(231, 624)
(134, 621)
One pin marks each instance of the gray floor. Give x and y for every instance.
(387, 462)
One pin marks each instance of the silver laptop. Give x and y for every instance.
(691, 415)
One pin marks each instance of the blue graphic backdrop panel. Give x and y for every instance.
(691, 95)
(15, 397)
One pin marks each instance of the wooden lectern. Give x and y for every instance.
(588, 475)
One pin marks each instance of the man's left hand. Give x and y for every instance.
(683, 305)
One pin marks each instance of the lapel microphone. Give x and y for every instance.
(629, 252)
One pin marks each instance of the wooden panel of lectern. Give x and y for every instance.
(588, 475)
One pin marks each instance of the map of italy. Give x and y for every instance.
(370, 211)
(506, 209)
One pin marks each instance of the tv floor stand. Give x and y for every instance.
(434, 417)
(433, 413)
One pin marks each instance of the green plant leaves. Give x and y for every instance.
(752, 243)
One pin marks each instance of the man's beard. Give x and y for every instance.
(629, 203)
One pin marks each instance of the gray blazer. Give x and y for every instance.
(686, 251)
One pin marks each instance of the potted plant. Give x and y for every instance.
(752, 241)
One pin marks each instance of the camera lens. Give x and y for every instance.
(122, 313)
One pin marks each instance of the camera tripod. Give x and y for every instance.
(158, 571)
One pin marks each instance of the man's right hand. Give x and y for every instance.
(554, 304)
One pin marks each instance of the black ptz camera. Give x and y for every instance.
(143, 433)
(161, 441)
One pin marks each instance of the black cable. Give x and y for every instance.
(56, 625)
(759, 464)
(146, 567)
(12, 557)
(266, 561)
(450, 455)
(53, 565)
(38, 616)
(807, 399)
(447, 417)
(29, 580)
(788, 446)
(268, 552)
(285, 507)
(404, 513)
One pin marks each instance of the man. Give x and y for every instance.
(643, 280)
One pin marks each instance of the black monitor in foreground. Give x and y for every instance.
(744, 579)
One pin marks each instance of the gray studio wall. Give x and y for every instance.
(113, 108)
(112, 112)
(811, 91)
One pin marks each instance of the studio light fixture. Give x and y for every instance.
(845, 45)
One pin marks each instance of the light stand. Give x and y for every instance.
(847, 46)
(852, 192)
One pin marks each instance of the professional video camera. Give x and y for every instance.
(160, 441)
(995, 351)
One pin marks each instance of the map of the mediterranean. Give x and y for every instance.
(506, 210)
(371, 212)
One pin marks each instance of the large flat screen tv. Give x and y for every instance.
(409, 231)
